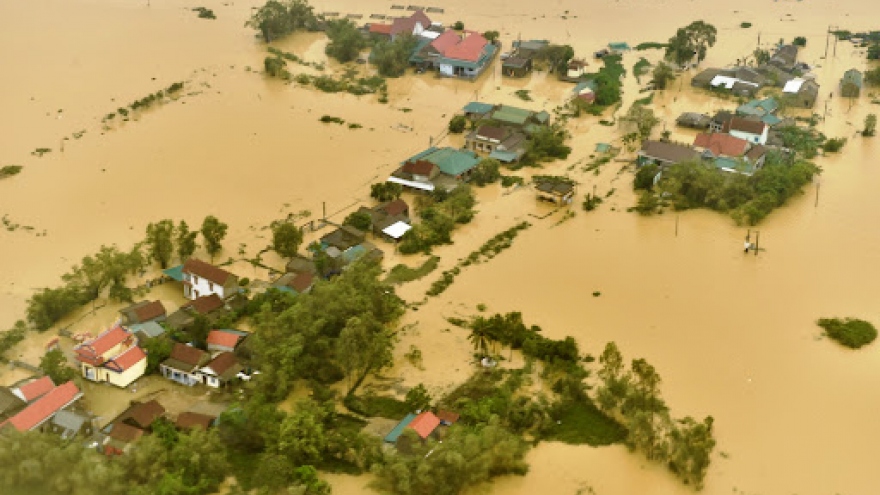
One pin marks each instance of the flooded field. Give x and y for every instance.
(733, 336)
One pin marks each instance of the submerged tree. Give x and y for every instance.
(277, 19)
(186, 241)
(160, 241)
(346, 40)
(391, 58)
(692, 40)
(286, 238)
(213, 231)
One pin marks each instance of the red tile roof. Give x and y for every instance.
(150, 311)
(756, 152)
(125, 433)
(223, 339)
(424, 424)
(380, 28)
(744, 125)
(420, 167)
(205, 304)
(191, 420)
(395, 207)
(446, 41)
(93, 351)
(129, 358)
(722, 144)
(470, 48)
(222, 362)
(207, 271)
(448, 417)
(36, 388)
(302, 281)
(38, 412)
(491, 132)
(142, 414)
(187, 354)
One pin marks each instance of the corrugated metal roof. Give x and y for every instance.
(395, 433)
(511, 115)
(477, 107)
(504, 156)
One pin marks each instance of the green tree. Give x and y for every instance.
(643, 118)
(692, 40)
(466, 457)
(109, 267)
(557, 56)
(277, 19)
(275, 66)
(385, 191)
(186, 241)
(160, 242)
(457, 124)
(870, 125)
(360, 220)
(286, 238)
(418, 398)
(644, 179)
(346, 40)
(48, 306)
(872, 77)
(486, 172)
(547, 144)
(364, 346)
(158, 350)
(458, 26)
(614, 381)
(213, 232)
(799, 41)
(691, 444)
(302, 437)
(662, 75)
(491, 36)
(391, 58)
(54, 364)
(761, 56)
(36, 462)
(642, 407)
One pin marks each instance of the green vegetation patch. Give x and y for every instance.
(651, 45)
(205, 13)
(402, 273)
(327, 119)
(377, 406)
(523, 94)
(581, 422)
(851, 332)
(745, 25)
(9, 171)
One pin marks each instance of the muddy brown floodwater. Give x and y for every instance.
(733, 336)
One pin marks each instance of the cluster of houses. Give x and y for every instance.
(120, 434)
(451, 53)
(783, 71)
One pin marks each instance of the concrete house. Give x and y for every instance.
(461, 55)
(184, 365)
(801, 92)
(785, 57)
(753, 131)
(491, 140)
(113, 356)
(558, 192)
(203, 279)
(221, 370)
(851, 84)
(718, 144)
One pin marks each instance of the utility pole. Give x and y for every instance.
(827, 34)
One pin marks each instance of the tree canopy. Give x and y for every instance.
(695, 39)
(213, 232)
(277, 19)
(346, 40)
(286, 238)
(391, 58)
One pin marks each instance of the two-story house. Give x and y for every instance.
(113, 356)
(203, 279)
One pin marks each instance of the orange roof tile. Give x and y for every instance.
(424, 424)
(36, 388)
(129, 358)
(223, 339)
(38, 412)
(722, 144)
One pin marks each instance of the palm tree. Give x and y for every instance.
(479, 339)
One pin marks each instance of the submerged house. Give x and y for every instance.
(751, 130)
(801, 92)
(505, 144)
(113, 356)
(501, 131)
(664, 154)
(519, 63)
(785, 58)
(452, 164)
(222, 369)
(454, 54)
(693, 120)
(557, 191)
(851, 84)
(184, 365)
(142, 312)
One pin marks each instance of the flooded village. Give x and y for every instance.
(502, 248)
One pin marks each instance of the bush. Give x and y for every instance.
(645, 177)
(799, 41)
(360, 220)
(205, 13)
(850, 332)
(486, 172)
(745, 25)
(328, 119)
(458, 26)
(833, 145)
(457, 124)
(391, 58)
(10, 170)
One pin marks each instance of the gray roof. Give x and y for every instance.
(668, 152)
(151, 329)
(69, 420)
(9, 403)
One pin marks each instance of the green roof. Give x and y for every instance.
(731, 164)
(392, 436)
(618, 45)
(585, 84)
(416, 57)
(477, 107)
(771, 120)
(504, 156)
(150, 329)
(511, 115)
(758, 108)
(175, 272)
(450, 161)
(603, 147)
(542, 117)
(852, 76)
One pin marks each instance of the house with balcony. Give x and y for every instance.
(113, 356)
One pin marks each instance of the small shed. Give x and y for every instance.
(693, 120)
(851, 84)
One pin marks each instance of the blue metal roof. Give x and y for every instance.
(175, 272)
(398, 430)
(477, 107)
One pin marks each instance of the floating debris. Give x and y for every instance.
(434, 10)
(397, 7)
(415, 7)
(354, 16)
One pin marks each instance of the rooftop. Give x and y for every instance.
(225, 361)
(223, 339)
(207, 271)
(142, 414)
(722, 144)
(186, 358)
(424, 424)
(395, 433)
(478, 108)
(669, 152)
(42, 409)
(129, 358)
(188, 420)
(206, 304)
(93, 351)
(35, 389)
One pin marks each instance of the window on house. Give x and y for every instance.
(195, 279)
(210, 286)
